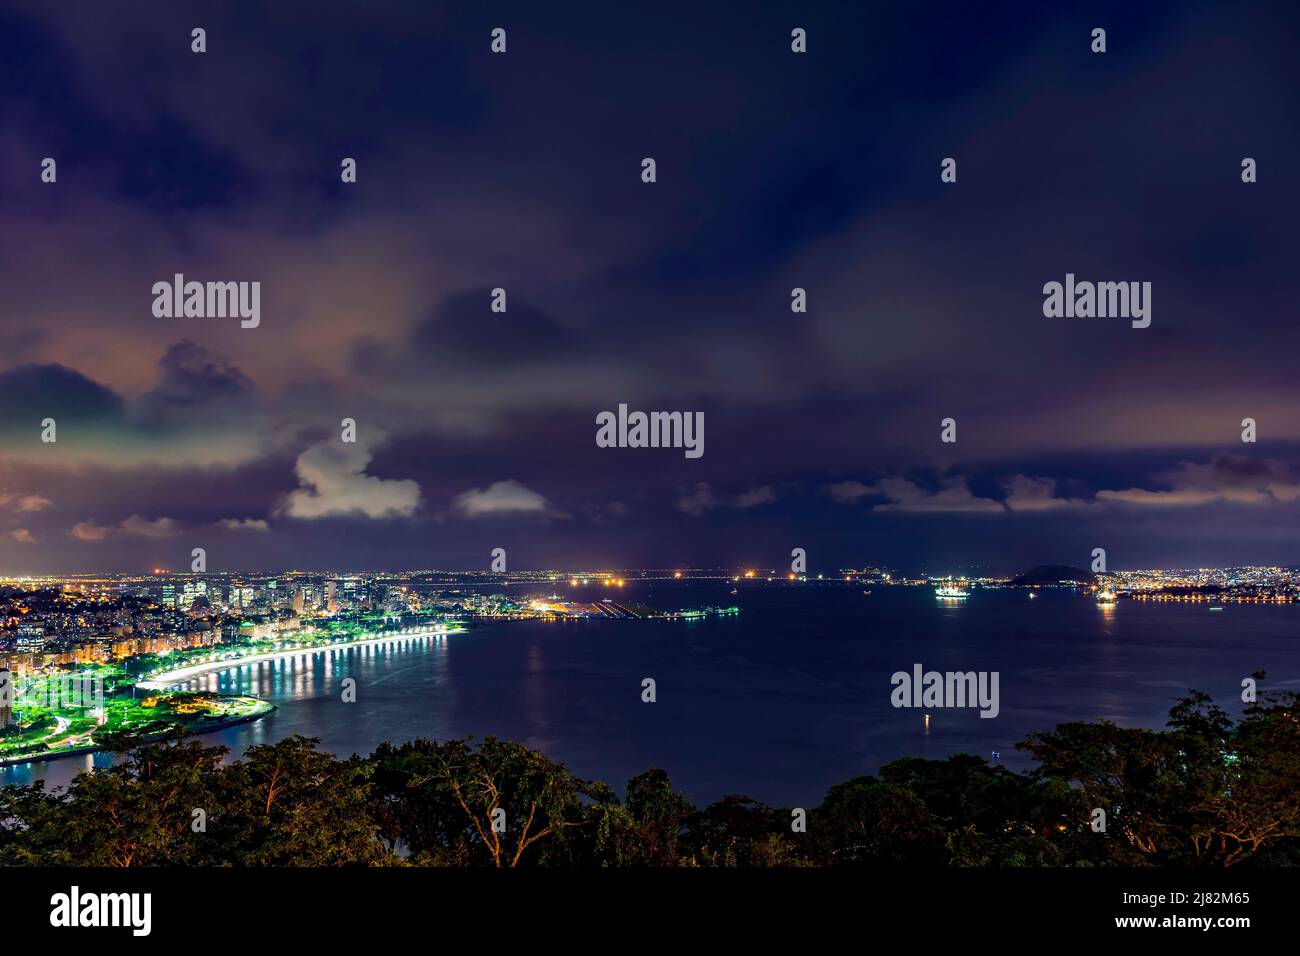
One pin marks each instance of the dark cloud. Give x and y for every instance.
(30, 393)
(196, 384)
(464, 328)
(522, 172)
(1232, 479)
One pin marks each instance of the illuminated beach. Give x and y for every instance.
(181, 675)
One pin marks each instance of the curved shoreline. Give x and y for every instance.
(182, 674)
(152, 738)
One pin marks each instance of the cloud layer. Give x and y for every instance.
(480, 172)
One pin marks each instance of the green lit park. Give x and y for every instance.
(120, 705)
(49, 722)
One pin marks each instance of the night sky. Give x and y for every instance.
(775, 170)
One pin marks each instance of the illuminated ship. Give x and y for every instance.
(1107, 596)
(949, 591)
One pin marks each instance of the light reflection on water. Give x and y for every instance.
(780, 702)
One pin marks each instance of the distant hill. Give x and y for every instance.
(1048, 574)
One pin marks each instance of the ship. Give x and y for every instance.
(950, 591)
(1107, 596)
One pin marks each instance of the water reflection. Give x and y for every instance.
(818, 661)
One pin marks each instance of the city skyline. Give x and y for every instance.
(595, 576)
(667, 571)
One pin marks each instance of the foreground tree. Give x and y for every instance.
(139, 812)
(289, 804)
(1203, 793)
(990, 815)
(1245, 783)
(1207, 791)
(741, 831)
(864, 821)
(499, 804)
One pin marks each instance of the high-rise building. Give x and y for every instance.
(30, 637)
(192, 591)
(8, 695)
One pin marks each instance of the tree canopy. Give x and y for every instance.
(1206, 791)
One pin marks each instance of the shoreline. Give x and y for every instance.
(182, 674)
(152, 738)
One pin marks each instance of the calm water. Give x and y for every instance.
(780, 702)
